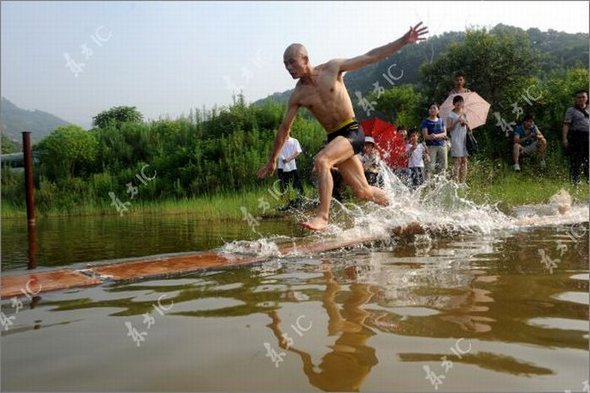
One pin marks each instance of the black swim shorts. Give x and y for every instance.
(353, 132)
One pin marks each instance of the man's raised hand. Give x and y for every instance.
(416, 33)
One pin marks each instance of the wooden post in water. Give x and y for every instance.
(29, 186)
(30, 197)
(32, 249)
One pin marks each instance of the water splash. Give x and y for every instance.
(439, 207)
(261, 247)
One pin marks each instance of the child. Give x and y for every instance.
(370, 159)
(417, 154)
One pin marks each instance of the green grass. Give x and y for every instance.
(489, 182)
(227, 206)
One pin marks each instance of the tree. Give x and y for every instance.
(497, 66)
(8, 146)
(68, 151)
(400, 105)
(117, 115)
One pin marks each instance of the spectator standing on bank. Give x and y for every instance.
(417, 153)
(287, 167)
(459, 84)
(575, 136)
(457, 126)
(435, 135)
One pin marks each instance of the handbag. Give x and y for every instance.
(471, 143)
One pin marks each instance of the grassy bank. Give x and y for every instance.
(226, 206)
(496, 182)
(488, 182)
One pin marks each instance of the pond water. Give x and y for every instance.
(486, 302)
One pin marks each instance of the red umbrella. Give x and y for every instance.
(387, 140)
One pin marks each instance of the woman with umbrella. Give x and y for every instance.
(457, 126)
(474, 110)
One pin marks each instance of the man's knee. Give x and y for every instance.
(321, 164)
(542, 142)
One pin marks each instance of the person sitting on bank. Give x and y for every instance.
(528, 139)
(370, 159)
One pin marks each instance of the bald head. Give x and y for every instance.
(295, 50)
(296, 61)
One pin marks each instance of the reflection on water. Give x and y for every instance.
(60, 241)
(374, 318)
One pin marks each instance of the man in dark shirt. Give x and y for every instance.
(575, 136)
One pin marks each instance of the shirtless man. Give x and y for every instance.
(321, 90)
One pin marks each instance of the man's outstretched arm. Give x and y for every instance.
(282, 136)
(415, 34)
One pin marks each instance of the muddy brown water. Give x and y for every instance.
(506, 311)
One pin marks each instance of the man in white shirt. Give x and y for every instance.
(287, 167)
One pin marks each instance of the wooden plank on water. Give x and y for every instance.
(158, 266)
(146, 268)
(29, 284)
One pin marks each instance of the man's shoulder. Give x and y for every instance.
(296, 93)
(330, 67)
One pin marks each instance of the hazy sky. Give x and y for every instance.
(168, 57)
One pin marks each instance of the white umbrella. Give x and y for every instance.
(476, 108)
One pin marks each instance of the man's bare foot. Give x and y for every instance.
(316, 224)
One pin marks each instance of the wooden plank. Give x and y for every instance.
(30, 283)
(146, 268)
(158, 266)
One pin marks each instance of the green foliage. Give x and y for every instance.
(68, 151)
(402, 105)
(8, 146)
(218, 151)
(496, 65)
(117, 116)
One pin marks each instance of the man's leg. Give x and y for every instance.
(516, 152)
(353, 175)
(457, 169)
(335, 152)
(444, 158)
(584, 155)
(337, 191)
(541, 148)
(414, 180)
(578, 152)
(419, 176)
(283, 184)
(297, 183)
(463, 170)
(432, 154)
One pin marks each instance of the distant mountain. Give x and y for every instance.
(559, 50)
(282, 97)
(14, 120)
